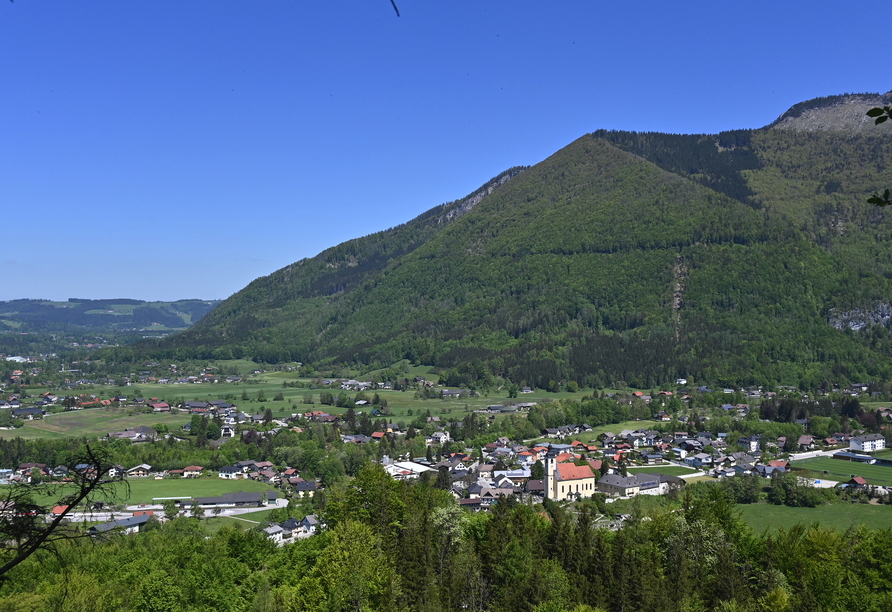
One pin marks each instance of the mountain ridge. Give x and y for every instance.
(568, 270)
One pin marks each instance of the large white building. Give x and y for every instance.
(868, 443)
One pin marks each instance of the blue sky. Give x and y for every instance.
(163, 150)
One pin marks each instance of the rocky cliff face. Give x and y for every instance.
(472, 200)
(860, 318)
(845, 113)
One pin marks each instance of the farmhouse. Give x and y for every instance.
(139, 471)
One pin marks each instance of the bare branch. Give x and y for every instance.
(24, 528)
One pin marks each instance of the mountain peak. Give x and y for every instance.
(841, 113)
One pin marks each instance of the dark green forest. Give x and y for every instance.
(391, 545)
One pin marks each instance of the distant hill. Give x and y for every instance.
(748, 256)
(46, 326)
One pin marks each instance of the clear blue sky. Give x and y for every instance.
(163, 150)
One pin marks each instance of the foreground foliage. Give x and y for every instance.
(395, 546)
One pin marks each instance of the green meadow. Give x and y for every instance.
(92, 423)
(837, 469)
(254, 395)
(762, 517)
(148, 490)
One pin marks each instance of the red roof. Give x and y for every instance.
(59, 509)
(571, 471)
(193, 468)
(859, 480)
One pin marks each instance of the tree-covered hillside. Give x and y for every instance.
(29, 326)
(637, 258)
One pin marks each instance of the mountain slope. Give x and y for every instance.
(624, 257)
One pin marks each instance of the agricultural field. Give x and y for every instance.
(837, 469)
(762, 517)
(92, 423)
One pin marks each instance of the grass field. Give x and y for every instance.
(762, 517)
(149, 490)
(842, 470)
(92, 423)
(96, 422)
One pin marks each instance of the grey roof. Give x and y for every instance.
(124, 523)
(238, 498)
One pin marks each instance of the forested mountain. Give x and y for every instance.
(748, 256)
(28, 326)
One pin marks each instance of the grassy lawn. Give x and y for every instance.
(769, 517)
(149, 490)
(92, 423)
(843, 470)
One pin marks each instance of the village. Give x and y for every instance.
(556, 466)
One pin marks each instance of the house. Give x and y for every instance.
(28, 414)
(274, 532)
(305, 488)
(769, 471)
(699, 460)
(750, 444)
(140, 471)
(309, 525)
(192, 471)
(625, 486)
(867, 443)
(231, 472)
(857, 482)
(438, 437)
(806, 442)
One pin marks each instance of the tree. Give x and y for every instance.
(267, 416)
(880, 115)
(444, 481)
(170, 509)
(537, 472)
(24, 528)
(196, 511)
